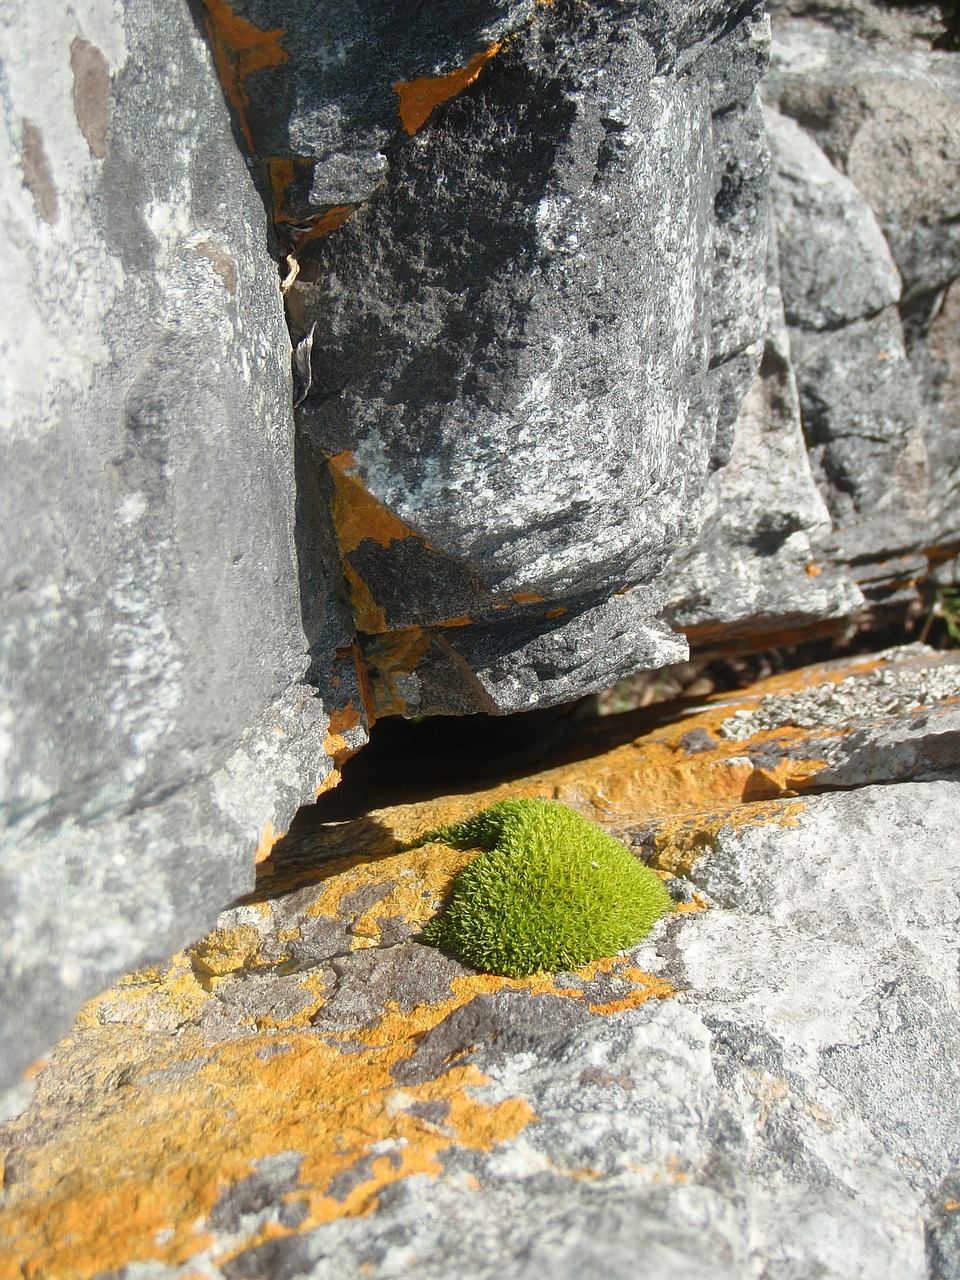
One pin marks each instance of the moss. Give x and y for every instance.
(551, 891)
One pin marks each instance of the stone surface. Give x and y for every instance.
(521, 403)
(767, 1086)
(754, 568)
(154, 729)
(863, 178)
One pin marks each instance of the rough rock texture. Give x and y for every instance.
(876, 151)
(527, 283)
(523, 354)
(555, 397)
(769, 1086)
(153, 724)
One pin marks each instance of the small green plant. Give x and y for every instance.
(946, 607)
(550, 891)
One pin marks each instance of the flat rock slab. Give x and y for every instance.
(767, 1085)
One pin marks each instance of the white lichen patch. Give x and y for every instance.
(875, 695)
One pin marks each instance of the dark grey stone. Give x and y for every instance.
(860, 406)
(537, 391)
(835, 265)
(887, 114)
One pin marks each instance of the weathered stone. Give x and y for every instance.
(861, 411)
(154, 727)
(835, 265)
(521, 413)
(754, 568)
(769, 1082)
(889, 118)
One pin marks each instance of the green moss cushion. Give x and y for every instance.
(550, 891)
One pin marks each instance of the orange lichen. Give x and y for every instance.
(418, 98)
(324, 223)
(267, 841)
(239, 48)
(282, 171)
(357, 514)
(121, 1184)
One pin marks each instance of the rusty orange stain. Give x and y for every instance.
(336, 746)
(239, 48)
(527, 597)
(324, 223)
(463, 621)
(392, 654)
(555, 613)
(419, 97)
(282, 171)
(267, 841)
(357, 514)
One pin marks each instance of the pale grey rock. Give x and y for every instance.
(754, 566)
(835, 265)
(793, 1111)
(888, 117)
(154, 723)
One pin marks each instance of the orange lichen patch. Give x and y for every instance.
(813, 570)
(267, 841)
(283, 172)
(527, 597)
(239, 48)
(415, 880)
(324, 223)
(357, 514)
(335, 744)
(419, 97)
(463, 621)
(122, 1184)
(556, 613)
(680, 841)
(226, 951)
(151, 998)
(951, 1206)
(390, 655)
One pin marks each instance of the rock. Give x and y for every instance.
(571, 368)
(888, 117)
(768, 1082)
(754, 569)
(836, 266)
(156, 727)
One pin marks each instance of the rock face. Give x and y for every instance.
(525, 352)
(865, 169)
(569, 390)
(153, 724)
(769, 1085)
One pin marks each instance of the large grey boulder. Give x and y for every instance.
(154, 723)
(529, 347)
(768, 1086)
